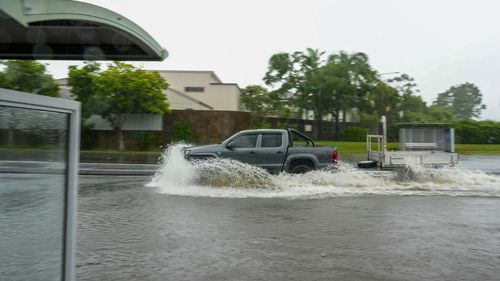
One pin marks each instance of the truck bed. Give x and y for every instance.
(394, 159)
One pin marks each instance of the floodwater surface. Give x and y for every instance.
(227, 221)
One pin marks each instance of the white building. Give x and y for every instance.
(200, 90)
(196, 90)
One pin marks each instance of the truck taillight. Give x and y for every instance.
(335, 157)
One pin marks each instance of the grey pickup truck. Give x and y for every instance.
(272, 149)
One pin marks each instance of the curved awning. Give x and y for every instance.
(71, 30)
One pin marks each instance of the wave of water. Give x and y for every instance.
(233, 179)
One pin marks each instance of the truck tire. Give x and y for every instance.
(367, 164)
(300, 169)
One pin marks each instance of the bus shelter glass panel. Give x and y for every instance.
(34, 186)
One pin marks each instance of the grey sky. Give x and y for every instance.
(439, 43)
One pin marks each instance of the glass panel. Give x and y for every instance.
(271, 140)
(245, 141)
(33, 160)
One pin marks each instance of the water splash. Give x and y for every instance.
(230, 173)
(216, 172)
(233, 179)
(175, 170)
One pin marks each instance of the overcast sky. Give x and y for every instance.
(439, 43)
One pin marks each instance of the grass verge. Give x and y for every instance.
(360, 147)
(345, 147)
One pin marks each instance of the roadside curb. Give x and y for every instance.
(111, 169)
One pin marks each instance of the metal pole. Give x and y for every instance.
(383, 120)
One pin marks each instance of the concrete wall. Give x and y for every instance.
(134, 122)
(225, 96)
(208, 126)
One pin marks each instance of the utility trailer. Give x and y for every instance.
(423, 144)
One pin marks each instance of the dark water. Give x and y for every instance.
(131, 232)
(31, 226)
(343, 225)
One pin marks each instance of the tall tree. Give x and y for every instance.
(384, 100)
(464, 100)
(327, 86)
(440, 114)
(258, 99)
(345, 81)
(412, 107)
(260, 102)
(120, 90)
(84, 87)
(27, 76)
(296, 76)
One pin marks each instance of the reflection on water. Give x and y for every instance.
(131, 232)
(31, 226)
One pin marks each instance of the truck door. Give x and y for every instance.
(242, 148)
(271, 152)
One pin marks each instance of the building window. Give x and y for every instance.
(194, 89)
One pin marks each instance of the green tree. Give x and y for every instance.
(345, 81)
(120, 90)
(295, 77)
(440, 114)
(256, 99)
(84, 87)
(260, 102)
(464, 100)
(412, 107)
(327, 86)
(383, 100)
(27, 76)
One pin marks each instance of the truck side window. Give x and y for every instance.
(271, 140)
(244, 141)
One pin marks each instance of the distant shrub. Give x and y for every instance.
(280, 125)
(263, 125)
(182, 132)
(144, 140)
(87, 138)
(477, 132)
(34, 137)
(355, 134)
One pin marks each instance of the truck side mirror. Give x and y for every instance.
(230, 145)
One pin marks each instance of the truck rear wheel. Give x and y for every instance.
(300, 169)
(367, 164)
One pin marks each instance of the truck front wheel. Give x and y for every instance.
(300, 169)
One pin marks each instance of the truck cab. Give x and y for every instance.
(270, 149)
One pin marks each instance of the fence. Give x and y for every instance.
(206, 126)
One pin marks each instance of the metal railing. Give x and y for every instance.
(378, 153)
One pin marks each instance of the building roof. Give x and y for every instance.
(216, 78)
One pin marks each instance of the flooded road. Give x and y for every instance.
(347, 225)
